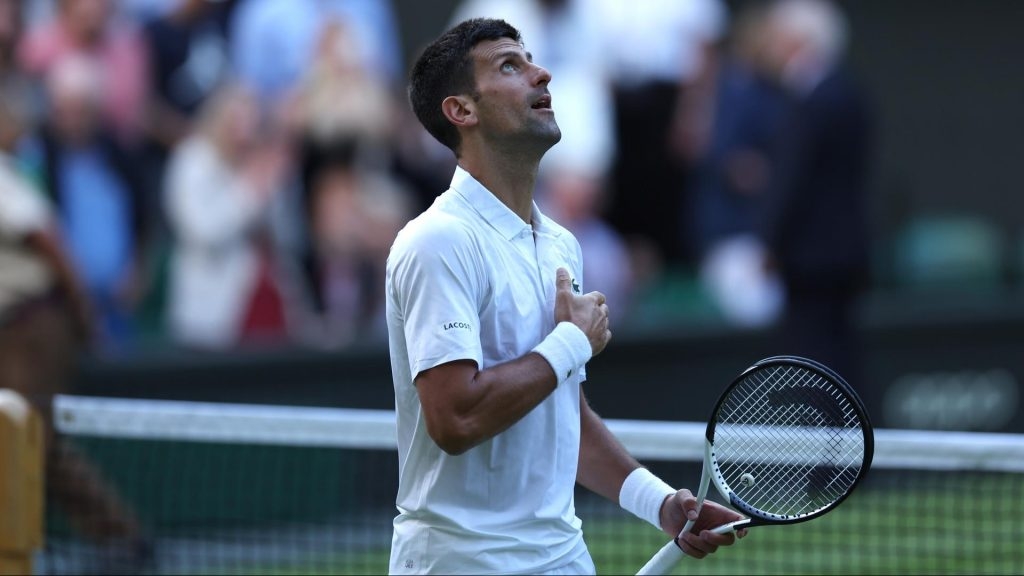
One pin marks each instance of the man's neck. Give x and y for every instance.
(511, 178)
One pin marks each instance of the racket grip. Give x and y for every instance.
(664, 561)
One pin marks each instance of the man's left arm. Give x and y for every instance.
(605, 467)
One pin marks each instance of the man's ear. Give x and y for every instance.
(460, 111)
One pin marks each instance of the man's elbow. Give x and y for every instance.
(454, 447)
(452, 435)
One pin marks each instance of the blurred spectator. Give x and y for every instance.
(11, 20)
(574, 198)
(339, 98)
(273, 41)
(355, 212)
(146, 10)
(298, 56)
(658, 52)
(344, 116)
(12, 80)
(45, 320)
(187, 47)
(97, 190)
(87, 28)
(733, 174)
(221, 181)
(420, 160)
(339, 102)
(188, 51)
(564, 37)
(815, 214)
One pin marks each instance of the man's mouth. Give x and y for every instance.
(542, 103)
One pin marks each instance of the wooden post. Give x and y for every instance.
(21, 483)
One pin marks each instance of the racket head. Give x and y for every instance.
(788, 440)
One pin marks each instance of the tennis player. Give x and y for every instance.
(490, 332)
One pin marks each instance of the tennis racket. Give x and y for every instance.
(787, 441)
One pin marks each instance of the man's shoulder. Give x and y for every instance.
(438, 228)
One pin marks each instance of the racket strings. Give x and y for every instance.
(788, 441)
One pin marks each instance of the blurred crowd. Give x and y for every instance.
(225, 173)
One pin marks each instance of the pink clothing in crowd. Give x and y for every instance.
(120, 54)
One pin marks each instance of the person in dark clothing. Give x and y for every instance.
(732, 177)
(815, 222)
(188, 59)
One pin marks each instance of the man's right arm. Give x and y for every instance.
(464, 406)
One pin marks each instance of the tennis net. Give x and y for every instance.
(167, 487)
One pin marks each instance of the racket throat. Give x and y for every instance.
(702, 490)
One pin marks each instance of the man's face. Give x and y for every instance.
(513, 102)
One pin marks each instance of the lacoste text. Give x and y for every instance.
(458, 325)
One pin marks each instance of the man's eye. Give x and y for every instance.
(508, 67)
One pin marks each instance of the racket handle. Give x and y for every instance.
(664, 561)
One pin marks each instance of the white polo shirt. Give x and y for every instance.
(468, 279)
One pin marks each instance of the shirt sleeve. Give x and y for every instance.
(437, 283)
(22, 210)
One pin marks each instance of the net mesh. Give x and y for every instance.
(788, 442)
(188, 488)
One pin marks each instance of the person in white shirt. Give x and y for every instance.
(489, 333)
(221, 184)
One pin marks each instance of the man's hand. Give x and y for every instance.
(700, 540)
(589, 312)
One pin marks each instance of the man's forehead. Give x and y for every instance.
(491, 49)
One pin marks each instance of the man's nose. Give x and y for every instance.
(542, 76)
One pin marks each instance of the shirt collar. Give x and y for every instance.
(497, 214)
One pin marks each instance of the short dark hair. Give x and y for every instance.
(445, 69)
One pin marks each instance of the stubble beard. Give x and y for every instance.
(543, 134)
(533, 137)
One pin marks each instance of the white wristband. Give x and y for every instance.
(643, 493)
(566, 349)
